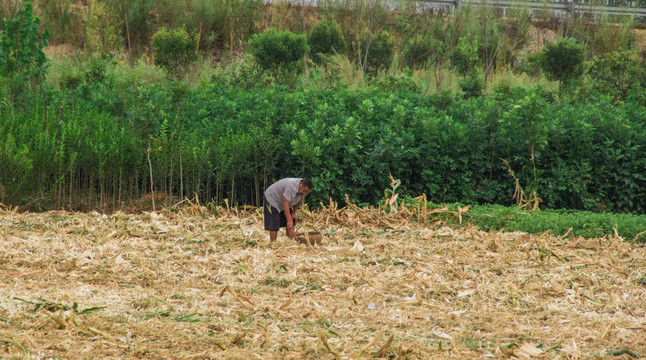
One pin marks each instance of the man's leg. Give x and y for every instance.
(272, 220)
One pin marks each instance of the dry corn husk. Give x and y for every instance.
(187, 284)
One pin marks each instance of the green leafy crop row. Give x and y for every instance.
(558, 222)
(103, 140)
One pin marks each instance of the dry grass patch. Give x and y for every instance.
(185, 285)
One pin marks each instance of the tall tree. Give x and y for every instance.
(562, 61)
(21, 44)
(136, 25)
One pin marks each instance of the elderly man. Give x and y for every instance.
(282, 200)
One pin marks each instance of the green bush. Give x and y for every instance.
(562, 60)
(418, 50)
(472, 86)
(389, 83)
(242, 74)
(21, 44)
(617, 73)
(575, 223)
(126, 78)
(529, 64)
(377, 52)
(276, 51)
(140, 21)
(464, 57)
(95, 69)
(236, 138)
(326, 38)
(102, 32)
(174, 50)
(606, 36)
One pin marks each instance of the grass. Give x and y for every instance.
(631, 227)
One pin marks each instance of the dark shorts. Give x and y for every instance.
(274, 219)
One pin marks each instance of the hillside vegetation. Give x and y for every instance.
(467, 107)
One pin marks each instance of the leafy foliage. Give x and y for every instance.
(223, 24)
(562, 60)
(377, 50)
(275, 50)
(471, 85)
(326, 38)
(85, 138)
(174, 49)
(419, 50)
(102, 29)
(559, 222)
(64, 20)
(86, 143)
(21, 44)
(617, 73)
(140, 23)
(464, 57)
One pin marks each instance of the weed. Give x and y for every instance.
(277, 282)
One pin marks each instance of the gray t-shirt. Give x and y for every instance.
(285, 188)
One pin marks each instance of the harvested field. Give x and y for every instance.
(190, 285)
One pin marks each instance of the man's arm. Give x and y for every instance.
(296, 209)
(290, 221)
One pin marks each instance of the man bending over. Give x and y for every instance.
(281, 201)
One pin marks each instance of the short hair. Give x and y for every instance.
(307, 183)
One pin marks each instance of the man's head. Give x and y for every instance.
(305, 186)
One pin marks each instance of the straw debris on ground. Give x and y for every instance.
(390, 283)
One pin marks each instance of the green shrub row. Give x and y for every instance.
(102, 140)
(370, 34)
(558, 222)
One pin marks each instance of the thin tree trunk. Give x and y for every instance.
(42, 169)
(256, 181)
(265, 177)
(494, 130)
(208, 187)
(486, 47)
(217, 189)
(71, 187)
(120, 181)
(169, 184)
(364, 65)
(102, 192)
(199, 36)
(135, 187)
(60, 125)
(231, 35)
(179, 142)
(233, 187)
(129, 45)
(58, 191)
(89, 188)
(45, 120)
(439, 76)
(150, 166)
(59, 179)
